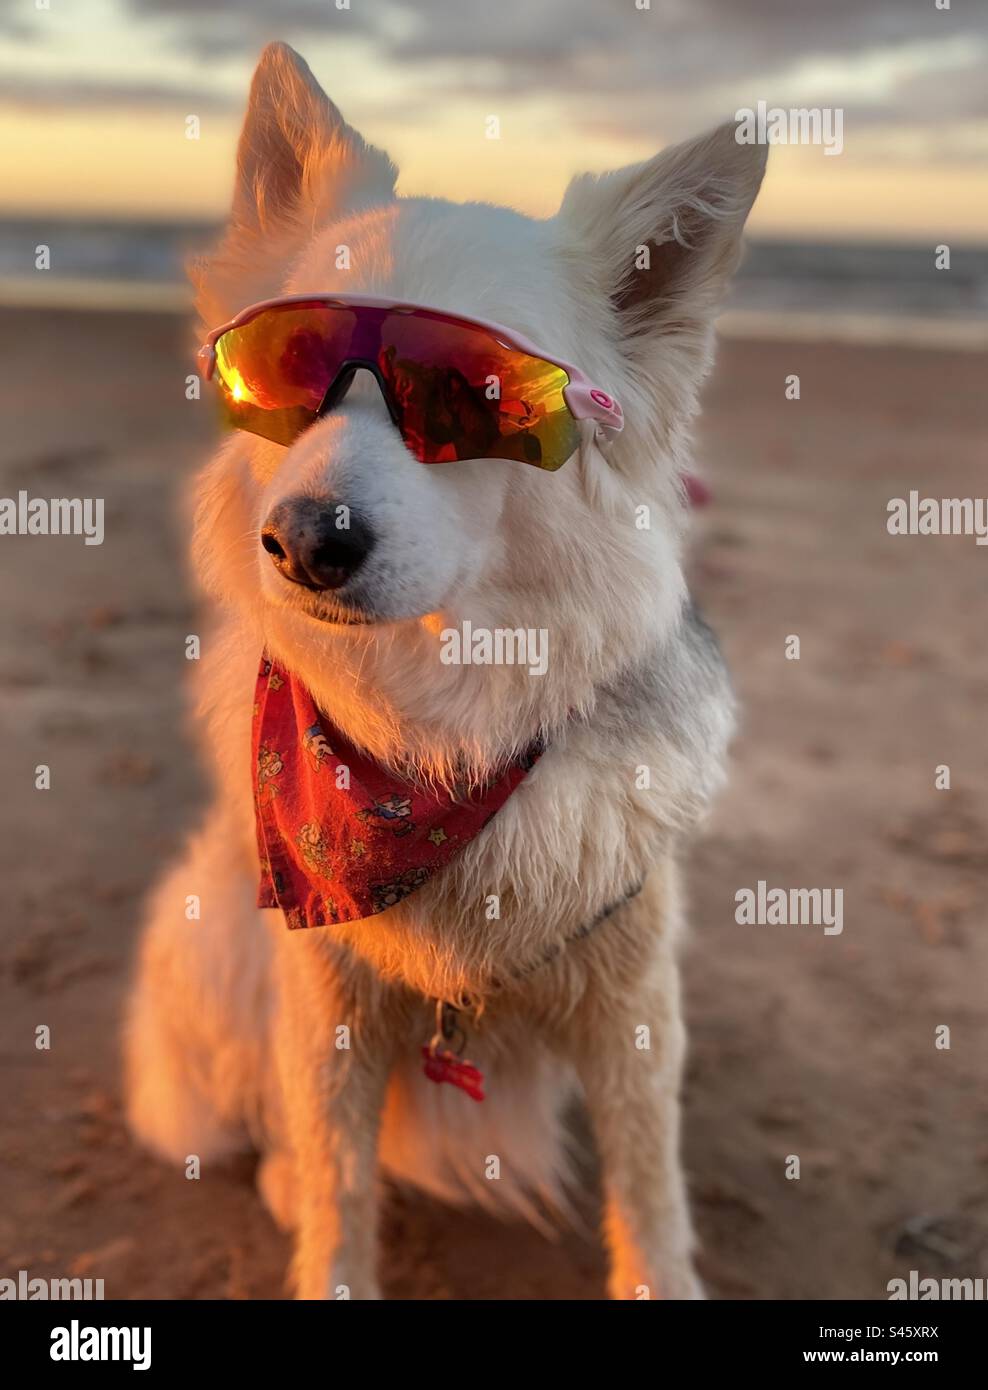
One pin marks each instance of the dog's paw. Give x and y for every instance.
(277, 1188)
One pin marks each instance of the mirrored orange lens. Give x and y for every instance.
(274, 371)
(458, 393)
(454, 390)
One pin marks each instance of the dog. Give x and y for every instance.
(550, 939)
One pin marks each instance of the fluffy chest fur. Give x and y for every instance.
(607, 802)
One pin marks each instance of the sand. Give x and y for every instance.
(801, 1043)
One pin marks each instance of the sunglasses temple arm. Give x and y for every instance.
(588, 402)
(206, 358)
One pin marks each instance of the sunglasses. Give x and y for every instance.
(455, 388)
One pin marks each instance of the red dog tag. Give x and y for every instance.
(443, 1065)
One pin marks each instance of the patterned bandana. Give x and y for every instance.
(339, 837)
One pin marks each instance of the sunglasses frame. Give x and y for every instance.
(584, 400)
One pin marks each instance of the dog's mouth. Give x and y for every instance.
(351, 606)
(326, 610)
(336, 614)
(347, 619)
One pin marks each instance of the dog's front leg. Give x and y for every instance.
(630, 1059)
(333, 1074)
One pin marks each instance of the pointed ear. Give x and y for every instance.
(297, 162)
(661, 239)
(295, 146)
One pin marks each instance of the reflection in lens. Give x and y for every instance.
(455, 391)
(460, 394)
(274, 370)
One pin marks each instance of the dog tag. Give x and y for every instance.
(442, 1065)
(445, 1063)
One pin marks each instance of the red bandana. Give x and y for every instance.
(340, 837)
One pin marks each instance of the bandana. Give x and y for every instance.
(339, 837)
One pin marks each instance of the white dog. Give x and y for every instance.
(550, 938)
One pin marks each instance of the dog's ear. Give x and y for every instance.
(298, 162)
(661, 239)
(296, 148)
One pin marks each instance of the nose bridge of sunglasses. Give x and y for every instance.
(344, 379)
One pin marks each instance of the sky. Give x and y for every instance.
(94, 96)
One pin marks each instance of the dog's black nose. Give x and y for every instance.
(318, 544)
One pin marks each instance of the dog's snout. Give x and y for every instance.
(317, 544)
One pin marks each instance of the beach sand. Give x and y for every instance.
(801, 1044)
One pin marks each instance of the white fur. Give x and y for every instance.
(232, 1020)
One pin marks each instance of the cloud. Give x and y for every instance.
(605, 65)
(28, 93)
(529, 40)
(525, 34)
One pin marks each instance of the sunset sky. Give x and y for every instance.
(94, 96)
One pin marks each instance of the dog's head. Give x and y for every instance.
(624, 282)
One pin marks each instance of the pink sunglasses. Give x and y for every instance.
(455, 388)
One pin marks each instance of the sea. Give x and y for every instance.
(841, 290)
